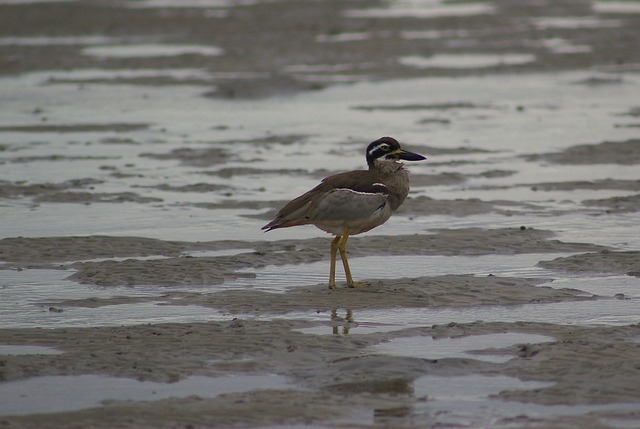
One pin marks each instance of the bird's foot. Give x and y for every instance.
(358, 284)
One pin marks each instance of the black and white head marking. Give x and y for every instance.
(379, 148)
(383, 148)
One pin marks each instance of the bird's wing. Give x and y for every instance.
(292, 214)
(346, 204)
(342, 196)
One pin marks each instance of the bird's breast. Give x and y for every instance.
(397, 184)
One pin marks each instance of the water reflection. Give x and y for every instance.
(341, 325)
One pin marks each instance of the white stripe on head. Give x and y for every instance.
(380, 146)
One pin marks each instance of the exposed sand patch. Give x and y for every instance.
(41, 190)
(47, 250)
(629, 204)
(602, 262)
(622, 185)
(441, 291)
(196, 157)
(623, 152)
(75, 128)
(462, 207)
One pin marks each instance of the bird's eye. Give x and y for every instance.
(379, 150)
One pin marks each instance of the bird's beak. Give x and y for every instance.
(410, 156)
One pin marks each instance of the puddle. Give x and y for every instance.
(470, 387)
(575, 22)
(190, 4)
(17, 350)
(428, 348)
(343, 37)
(601, 312)
(217, 253)
(422, 9)
(610, 312)
(54, 394)
(150, 50)
(621, 286)
(621, 7)
(94, 75)
(24, 292)
(467, 402)
(344, 328)
(558, 45)
(466, 61)
(435, 34)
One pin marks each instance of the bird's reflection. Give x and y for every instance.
(401, 411)
(341, 325)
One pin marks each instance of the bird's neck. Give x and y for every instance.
(395, 177)
(386, 167)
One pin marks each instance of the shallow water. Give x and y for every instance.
(429, 348)
(54, 394)
(137, 51)
(13, 350)
(29, 297)
(605, 312)
(467, 401)
(431, 9)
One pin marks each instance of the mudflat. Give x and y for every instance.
(144, 143)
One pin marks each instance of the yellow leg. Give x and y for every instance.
(342, 247)
(332, 270)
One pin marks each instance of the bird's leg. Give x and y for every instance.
(342, 247)
(332, 270)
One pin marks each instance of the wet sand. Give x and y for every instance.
(134, 186)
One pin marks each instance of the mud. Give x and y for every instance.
(144, 144)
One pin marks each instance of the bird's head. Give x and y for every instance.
(388, 149)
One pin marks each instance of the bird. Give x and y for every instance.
(352, 202)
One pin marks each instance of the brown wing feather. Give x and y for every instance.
(294, 212)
